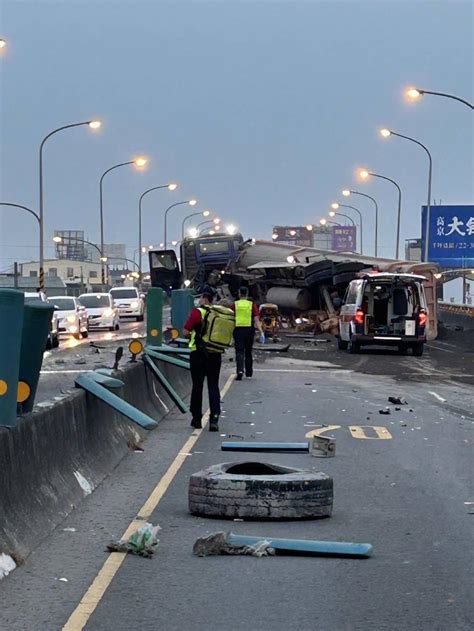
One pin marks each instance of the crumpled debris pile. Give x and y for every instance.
(143, 542)
(216, 544)
(7, 565)
(397, 400)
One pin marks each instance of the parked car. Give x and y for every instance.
(53, 335)
(384, 309)
(73, 317)
(101, 310)
(130, 302)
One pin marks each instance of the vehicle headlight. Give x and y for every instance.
(71, 319)
(107, 313)
(134, 305)
(73, 329)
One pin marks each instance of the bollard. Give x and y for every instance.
(36, 323)
(182, 302)
(11, 322)
(154, 316)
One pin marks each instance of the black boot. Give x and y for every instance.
(239, 376)
(214, 424)
(196, 423)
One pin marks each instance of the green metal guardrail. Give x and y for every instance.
(154, 316)
(182, 302)
(36, 323)
(166, 384)
(11, 323)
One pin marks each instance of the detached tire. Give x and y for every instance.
(257, 490)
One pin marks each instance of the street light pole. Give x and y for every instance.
(360, 221)
(347, 192)
(388, 132)
(184, 222)
(94, 125)
(170, 187)
(191, 202)
(364, 174)
(415, 93)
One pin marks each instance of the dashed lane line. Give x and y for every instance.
(91, 599)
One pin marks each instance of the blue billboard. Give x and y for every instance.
(451, 235)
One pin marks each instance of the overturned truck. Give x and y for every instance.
(309, 285)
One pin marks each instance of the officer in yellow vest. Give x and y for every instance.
(246, 320)
(204, 365)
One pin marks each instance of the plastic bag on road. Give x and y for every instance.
(216, 543)
(143, 542)
(7, 565)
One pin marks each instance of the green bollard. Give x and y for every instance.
(182, 302)
(154, 316)
(11, 322)
(36, 321)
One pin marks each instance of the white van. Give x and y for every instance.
(384, 309)
(129, 301)
(101, 310)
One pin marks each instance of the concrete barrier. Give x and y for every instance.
(56, 456)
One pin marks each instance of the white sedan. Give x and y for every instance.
(73, 317)
(102, 312)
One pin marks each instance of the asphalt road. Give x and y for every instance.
(410, 495)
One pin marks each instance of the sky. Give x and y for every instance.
(261, 110)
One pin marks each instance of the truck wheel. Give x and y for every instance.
(418, 349)
(342, 344)
(257, 490)
(353, 347)
(402, 349)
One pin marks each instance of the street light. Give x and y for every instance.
(205, 213)
(170, 187)
(93, 124)
(364, 175)
(191, 202)
(388, 132)
(138, 163)
(347, 193)
(231, 229)
(416, 93)
(335, 206)
(274, 236)
(2, 43)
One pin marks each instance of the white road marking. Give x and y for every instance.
(438, 348)
(438, 397)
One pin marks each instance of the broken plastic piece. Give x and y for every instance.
(217, 543)
(335, 548)
(299, 448)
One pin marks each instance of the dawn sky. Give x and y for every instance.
(261, 110)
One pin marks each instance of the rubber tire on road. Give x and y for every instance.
(418, 349)
(286, 494)
(353, 347)
(342, 344)
(85, 333)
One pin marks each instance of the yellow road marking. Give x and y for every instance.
(80, 616)
(321, 430)
(358, 431)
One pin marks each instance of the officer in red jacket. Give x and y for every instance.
(204, 364)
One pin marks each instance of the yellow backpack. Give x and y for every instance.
(217, 328)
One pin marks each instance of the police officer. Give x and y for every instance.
(246, 320)
(204, 364)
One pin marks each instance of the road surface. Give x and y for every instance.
(405, 487)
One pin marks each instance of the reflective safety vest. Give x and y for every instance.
(192, 339)
(243, 313)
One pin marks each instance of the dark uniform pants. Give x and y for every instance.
(205, 365)
(243, 338)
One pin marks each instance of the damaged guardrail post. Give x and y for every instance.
(11, 323)
(154, 316)
(182, 302)
(36, 321)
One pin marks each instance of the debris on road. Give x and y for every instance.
(143, 542)
(216, 544)
(397, 400)
(385, 411)
(7, 565)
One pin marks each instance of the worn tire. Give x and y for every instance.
(280, 493)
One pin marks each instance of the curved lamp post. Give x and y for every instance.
(385, 133)
(191, 202)
(205, 213)
(93, 124)
(170, 187)
(139, 163)
(415, 93)
(28, 210)
(346, 193)
(335, 206)
(364, 174)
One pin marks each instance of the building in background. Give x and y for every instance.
(413, 249)
(72, 245)
(115, 253)
(78, 276)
